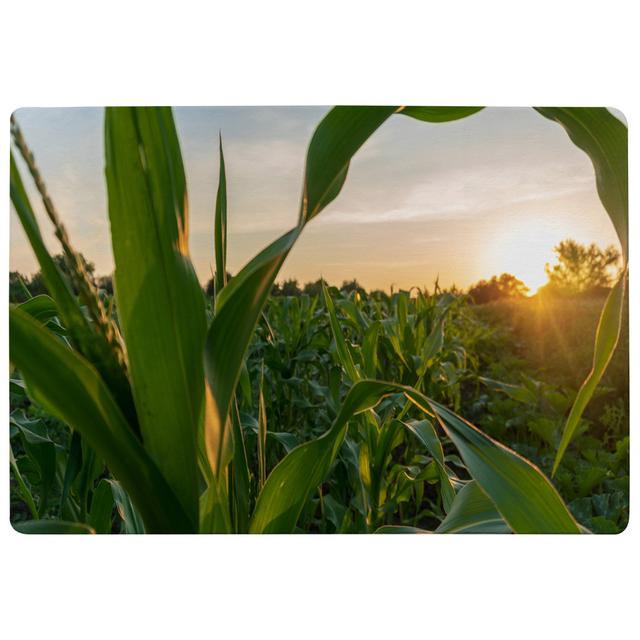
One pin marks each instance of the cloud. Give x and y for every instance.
(460, 194)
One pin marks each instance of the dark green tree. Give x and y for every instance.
(498, 288)
(582, 269)
(314, 288)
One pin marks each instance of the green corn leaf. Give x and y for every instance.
(426, 434)
(394, 528)
(72, 468)
(228, 338)
(160, 303)
(525, 498)
(473, 512)
(220, 228)
(23, 490)
(607, 336)
(344, 355)
(41, 451)
(102, 502)
(515, 392)
(370, 349)
(301, 471)
(42, 308)
(76, 394)
(432, 345)
(439, 114)
(51, 526)
(605, 140)
(55, 282)
(262, 433)
(131, 519)
(335, 141)
(89, 342)
(239, 476)
(214, 507)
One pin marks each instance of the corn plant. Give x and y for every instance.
(156, 392)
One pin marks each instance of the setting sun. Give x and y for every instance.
(523, 250)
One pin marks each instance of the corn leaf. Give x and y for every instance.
(472, 512)
(102, 502)
(397, 528)
(607, 336)
(335, 141)
(23, 490)
(426, 434)
(439, 114)
(344, 355)
(160, 303)
(88, 341)
(51, 526)
(76, 394)
(41, 307)
(220, 228)
(525, 498)
(605, 140)
(131, 519)
(228, 338)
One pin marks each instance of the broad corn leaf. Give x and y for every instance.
(160, 303)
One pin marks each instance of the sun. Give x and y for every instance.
(523, 250)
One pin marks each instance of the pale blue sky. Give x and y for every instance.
(462, 200)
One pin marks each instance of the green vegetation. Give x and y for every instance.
(497, 288)
(582, 269)
(162, 409)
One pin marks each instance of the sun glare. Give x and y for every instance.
(523, 251)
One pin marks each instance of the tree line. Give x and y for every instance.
(580, 270)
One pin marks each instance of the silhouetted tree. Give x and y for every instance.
(314, 288)
(105, 283)
(36, 285)
(351, 285)
(504, 286)
(18, 287)
(210, 287)
(290, 287)
(581, 268)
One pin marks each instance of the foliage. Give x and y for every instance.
(22, 287)
(240, 412)
(498, 288)
(582, 269)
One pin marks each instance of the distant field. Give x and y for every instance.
(555, 337)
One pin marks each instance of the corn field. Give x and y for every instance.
(241, 412)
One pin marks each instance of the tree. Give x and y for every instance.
(581, 268)
(35, 284)
(351, 285)
(314, 288)
(210, 287)
(287, 288)
(18, 287)
(498, 288)
(105, 283)
(290, 287)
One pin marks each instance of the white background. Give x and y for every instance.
(67, 53)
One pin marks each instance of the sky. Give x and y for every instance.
(458, 201)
